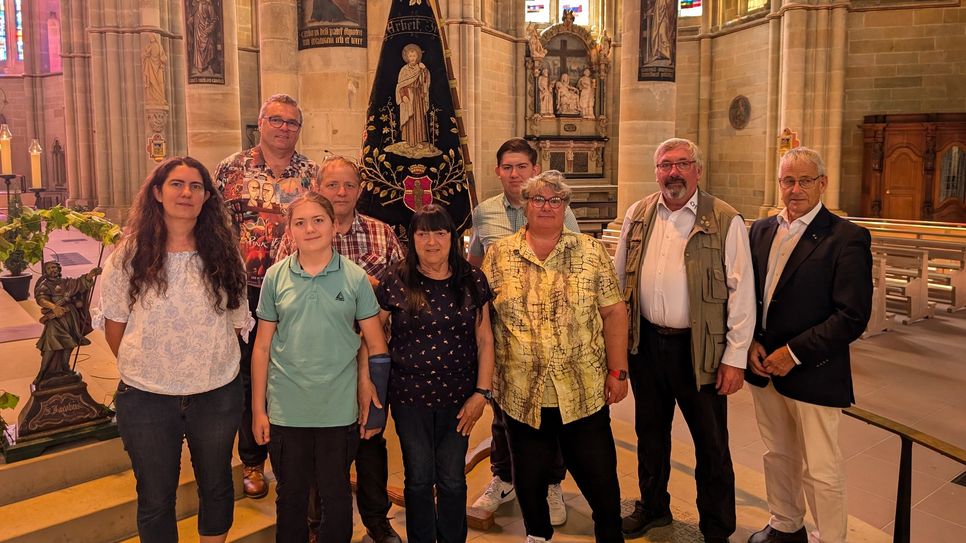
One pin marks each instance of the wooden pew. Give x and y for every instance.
(881, 319)
(907, 287)
(947, 268)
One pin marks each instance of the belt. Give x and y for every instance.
(667, 331)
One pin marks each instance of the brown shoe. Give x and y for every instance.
(254, 481)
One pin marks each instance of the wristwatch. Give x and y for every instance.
(485, 392)
(620, 375)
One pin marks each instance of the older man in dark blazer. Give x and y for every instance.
(813, 280)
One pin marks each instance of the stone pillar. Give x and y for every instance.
(793, 66)
(463, 21)
(35, 45)
(647, 117)
(835, 106)
(120, 162)
(333, 94)
(79, 148)
(213, 109)
(278, 48)
(772, 115)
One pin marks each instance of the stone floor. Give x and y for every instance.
(913, 374)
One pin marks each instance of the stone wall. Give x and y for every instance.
(499, 97)
(899, 61)
(15, 113)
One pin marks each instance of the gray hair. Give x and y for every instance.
(674, 143)
(549, 178)
(279, 99)
(804, 154)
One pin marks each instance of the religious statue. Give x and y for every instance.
(586, 101)
(412, 97)
(662, 30)
(154, 62)
(543, 88)
(567, 96)
(203, 22)
(537, 50)
(65, 313)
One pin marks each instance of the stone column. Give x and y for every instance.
(79, 148)
(278, 48)
(793, 66)
(463, 21)
(213, 109)
(35, 44)
(772, 115)
(647, 117)
(835, 106)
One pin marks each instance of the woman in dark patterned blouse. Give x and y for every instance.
(442, 367)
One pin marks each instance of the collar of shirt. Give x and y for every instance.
(335, 263)
(258, 160)
(567, 240)
(508, 205)
(691, 205)
(805, 219)
(355, 227)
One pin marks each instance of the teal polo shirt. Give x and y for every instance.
(312, 371)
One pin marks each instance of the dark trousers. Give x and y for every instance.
(249, 451)
(434, 457)
(500, 462)
(372, 476)
(588, 449)
(153, 428)
(661, 374)
(301, 456)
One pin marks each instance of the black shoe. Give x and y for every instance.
(771, 535)
(383, 532)
(641, 521)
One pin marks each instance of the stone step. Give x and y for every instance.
(72, 465)
(99, 510)
(254, 522)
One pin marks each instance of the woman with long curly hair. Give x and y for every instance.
(173, 300)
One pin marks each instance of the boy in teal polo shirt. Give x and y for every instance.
(305, 369)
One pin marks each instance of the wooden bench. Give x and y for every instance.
(880, 320)
(906, 282)
(947, 268)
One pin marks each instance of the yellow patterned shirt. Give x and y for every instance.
(547, 326)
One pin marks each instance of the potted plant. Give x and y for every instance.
(23, 238)
(7, 401)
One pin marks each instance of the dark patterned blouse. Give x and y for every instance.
(433, 352)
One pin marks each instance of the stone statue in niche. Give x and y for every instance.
(587, 86)
(567, 96)
(537, 50)
(543, 88)
(154, 62)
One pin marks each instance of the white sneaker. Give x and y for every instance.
(497, 492)
(555, 500)
(535, 539)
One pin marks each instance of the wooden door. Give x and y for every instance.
(902, 184)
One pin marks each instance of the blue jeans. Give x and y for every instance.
(434, 454)
(153, 428)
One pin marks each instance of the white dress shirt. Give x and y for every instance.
(786, 238)
(663, 285)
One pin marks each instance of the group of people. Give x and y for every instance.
(539, 322)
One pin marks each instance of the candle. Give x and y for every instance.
(35, 180)
(6, 164)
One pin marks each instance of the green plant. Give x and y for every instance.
(23, 238)
(7, 401)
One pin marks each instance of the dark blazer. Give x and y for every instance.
(821, 304)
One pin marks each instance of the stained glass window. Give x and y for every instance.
(538, 11)
(18, 13)
(3, 31)
(691, 8)
(756, 4)
(580, 9)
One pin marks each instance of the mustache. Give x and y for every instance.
(675, 179)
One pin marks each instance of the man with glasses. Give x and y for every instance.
(813, 279)
(685, 269)
(280, 175)
(494, 219)
(372, 245)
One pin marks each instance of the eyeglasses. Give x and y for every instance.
(803, 182)
(277, 122)
(539, 201)
(682, 166)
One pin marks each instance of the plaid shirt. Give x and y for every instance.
(370, 243)
(495, 219)
(259, 203)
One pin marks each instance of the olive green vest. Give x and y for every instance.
(707, 289)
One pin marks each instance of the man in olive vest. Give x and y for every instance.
(685, 269)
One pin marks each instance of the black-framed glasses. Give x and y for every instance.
(277, 122)
(681, 165)
(554, 201)
(803, 182)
